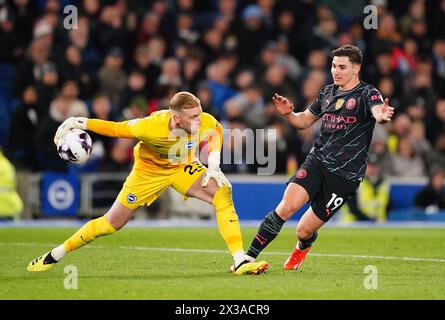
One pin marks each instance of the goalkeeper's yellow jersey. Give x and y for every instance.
(159, 147)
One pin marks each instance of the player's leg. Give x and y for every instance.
(306, 234)
(294, 198)
(301, 188)
(140, 188)
(113, 220)
(324, 204)
(188, 183)
(228, 224)
(226, 216)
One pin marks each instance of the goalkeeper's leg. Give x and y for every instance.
(228, 223)
(112, 221)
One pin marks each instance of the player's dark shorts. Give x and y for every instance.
(327, 191)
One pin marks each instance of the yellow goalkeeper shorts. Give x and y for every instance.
(142, 187)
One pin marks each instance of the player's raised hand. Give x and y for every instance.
(387, 111)
(282, 104)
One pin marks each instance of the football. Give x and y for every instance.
(75, 146)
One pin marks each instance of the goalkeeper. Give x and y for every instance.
(164, 157)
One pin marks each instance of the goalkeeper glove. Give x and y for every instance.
(213, 171)
(67, 125)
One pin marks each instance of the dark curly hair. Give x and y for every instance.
(352, 52)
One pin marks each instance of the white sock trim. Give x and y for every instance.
(239, 257)
(59, 252)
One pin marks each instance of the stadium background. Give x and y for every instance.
(127, 58)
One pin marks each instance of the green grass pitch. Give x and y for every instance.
(192, 263)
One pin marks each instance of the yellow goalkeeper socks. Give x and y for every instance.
(227, 219)
(88, 232)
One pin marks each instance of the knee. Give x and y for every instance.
(303, 232)
(222, 197)
(287, 208)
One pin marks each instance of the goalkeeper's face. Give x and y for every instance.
(189, 119)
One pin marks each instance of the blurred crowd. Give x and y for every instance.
(126, 59)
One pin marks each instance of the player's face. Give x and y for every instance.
(189, 119)
(343, 71)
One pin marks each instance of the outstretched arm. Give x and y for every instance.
(383, 112)
(103, 127)
(300, 120)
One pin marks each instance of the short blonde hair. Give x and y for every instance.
(184, 100)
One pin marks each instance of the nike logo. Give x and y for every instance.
(83, 239)
(233, 220)
(328, 212)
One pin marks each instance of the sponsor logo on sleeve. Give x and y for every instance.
(301, 174)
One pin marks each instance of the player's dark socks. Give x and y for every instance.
(305, 243)
(49, 259)
(269, 229)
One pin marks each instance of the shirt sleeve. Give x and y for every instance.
(216, 139)
(373, 98)
(315, 107)
(212, 131)
(125, 129)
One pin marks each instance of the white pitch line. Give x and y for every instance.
(140, 248)
(355, 256)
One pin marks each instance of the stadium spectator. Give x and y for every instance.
(416, 11)
(406, 161)
(371, 202)
(71, 67)
(317, 60)
(170, 73)
(399, 128)
(379, 148)
(137, 108)
(151, 69)
(383, 68)
(149, 28)
(249, 106)
(252, 35)
(439, 65)
(275, 80)
(286, 30)
(432, 197)
(70, 93)
(219, 83)
(324, 34)
(24, 123)
(30, 70)
(421, 144)
(436, 124)
(112, 76)
(90, 9)
(11, 204)
(136, 86)
(48, 158)
(101, 109)
(13, 39)
(204, 94)
(386, 87)
(47, 88)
